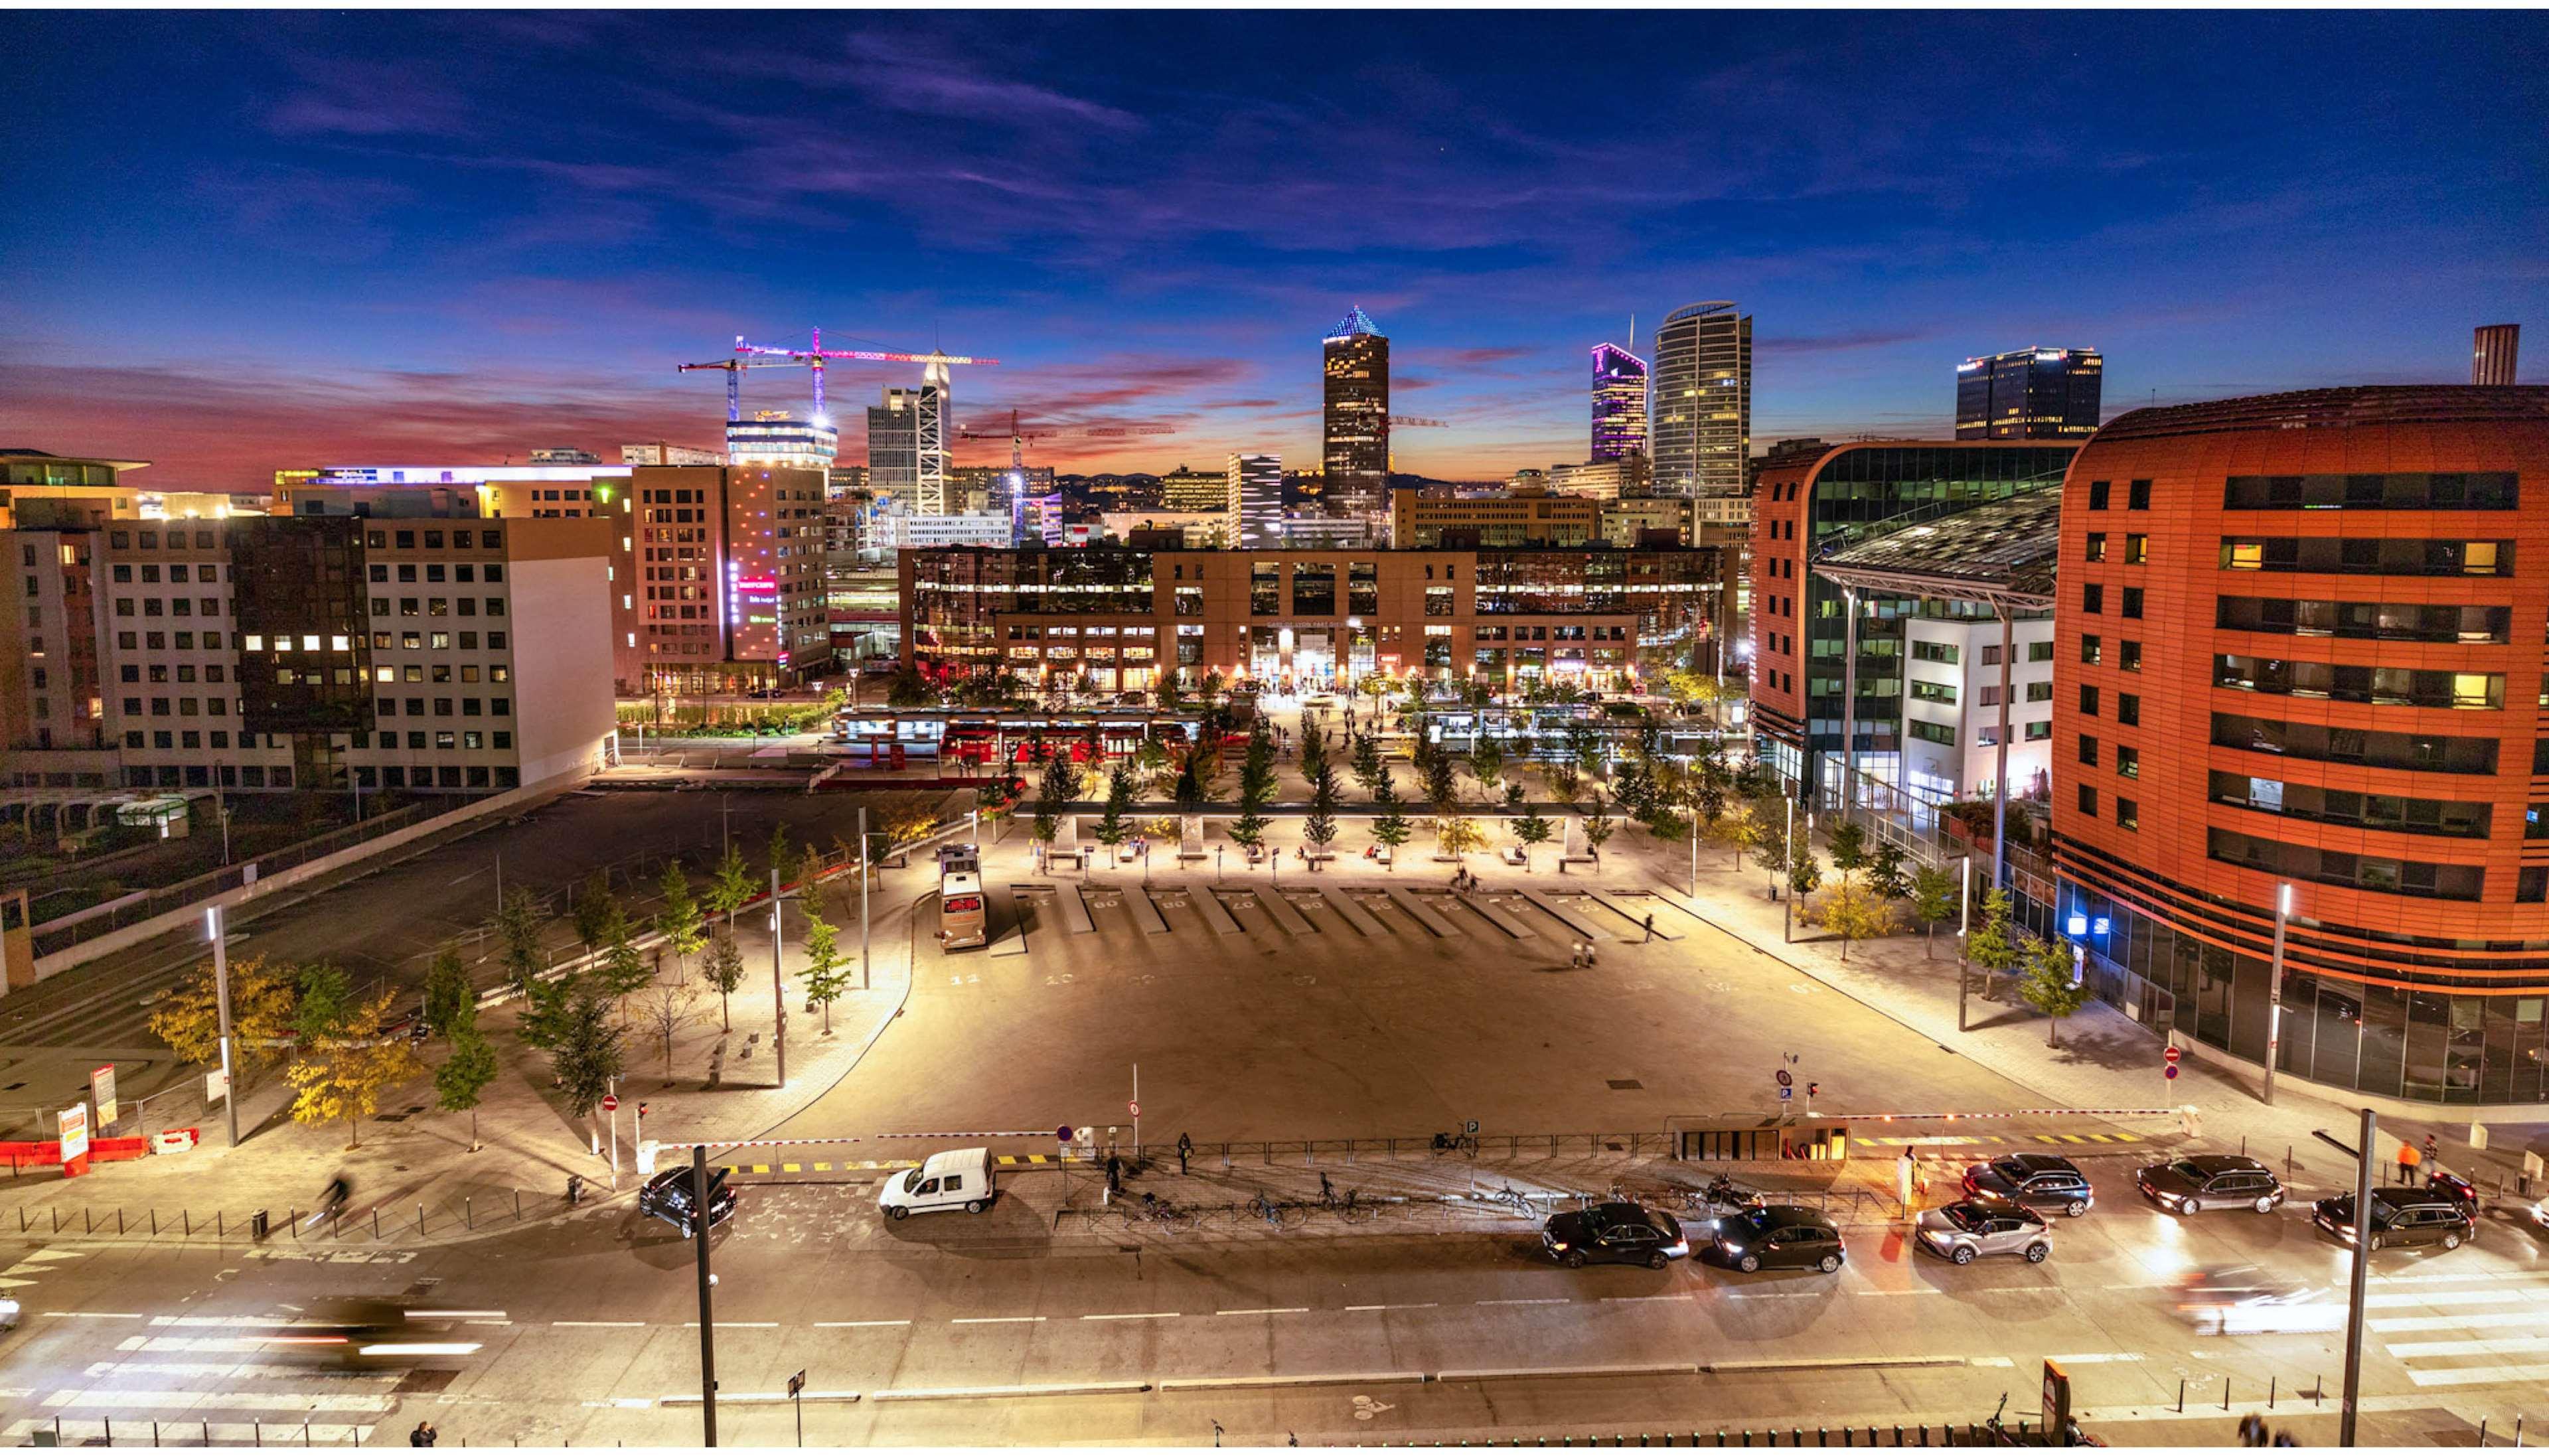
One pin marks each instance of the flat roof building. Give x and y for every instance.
(2036, 393)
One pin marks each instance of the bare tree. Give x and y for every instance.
(665, 1008)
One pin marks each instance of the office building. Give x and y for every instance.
(896, 531)
(2493, 351)
(777, 437)
(372, 639)
(1807, 504)
(1702, 411)
(658, 452)
(1603, 480)
(562, 455)
(2297, 660)
(1619, 403)
(1256, 501)
(2030, 395)
(729, 565)
(1197, 529)
(1652, 520)
(1309, 528)
(1355, 454)
(1950, 726)
(1307, 618)
(1516, 519)
(894, 450)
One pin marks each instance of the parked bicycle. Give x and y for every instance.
(1511, 1198)
(1455, 1142)
(1268, 1209)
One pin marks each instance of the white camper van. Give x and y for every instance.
(961, 1179)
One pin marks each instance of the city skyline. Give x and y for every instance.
(387, 236)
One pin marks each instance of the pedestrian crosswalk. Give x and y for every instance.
(2466, 1328)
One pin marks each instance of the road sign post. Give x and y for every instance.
(611, 1105)
(2170, 1070)
(795, 1397)
(708, 1318)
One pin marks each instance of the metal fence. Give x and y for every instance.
(281, 1226)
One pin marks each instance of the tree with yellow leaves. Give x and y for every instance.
(341, 1062)
(1855, 912)
(264, 999)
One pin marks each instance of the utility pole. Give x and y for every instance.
(864, 869)
(1787, 904)
(777, 990)
(500, 877)
(2275, 990)
(222, 994)
(1964, 921)
(2362, 1270)
(707, 1320)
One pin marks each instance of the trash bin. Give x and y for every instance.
(257, 1224)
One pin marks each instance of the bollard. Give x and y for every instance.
(2226, 1393)
(2181, 1395)
(517, 1205)
(1924, 1432)
(420, 1218)
(376, 1225)
(189, 1215)
(1799, 1432)
(2271, 1381)
(220, 1225)
(1823, 1437)
(256, 1433)
(110, 1432)
(468, 1214)
(1747, 1430)
(305, 1433)
(2482, 1432)
(154, 1432)
(57, 1220)
(1844, 1435)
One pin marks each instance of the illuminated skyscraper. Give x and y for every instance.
(894, 449)
(2030, 395)
(2491, 353)
(1703, 401)
(779, 437)
(1357, 438)
(1619, 403)
(1254, 514)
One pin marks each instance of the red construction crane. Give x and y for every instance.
(735, 378)
(934, 372)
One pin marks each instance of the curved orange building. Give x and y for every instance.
(2301, 643)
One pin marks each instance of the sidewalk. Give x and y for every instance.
(414, 1169)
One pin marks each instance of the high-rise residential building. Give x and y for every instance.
(894, 450)
(1255, 513)
(1702, 413)
(779, 437)
(1197, 489)
(2035, 394)
(1619, 403)
(1354, 456)
(2491, 353)
(729, 565)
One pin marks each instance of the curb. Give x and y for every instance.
(1264, 1381)
(1668, 1367)
(1840, 1362)
(1012, 1392)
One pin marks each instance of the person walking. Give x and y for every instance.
(1185, 1149)
(424, 1435)
(2252, 1429)
(2432, 1151)
(2408, 1158)
(1651, 929)
(1327, 1192)
(1114, 1173)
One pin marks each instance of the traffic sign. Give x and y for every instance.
(1783, 1075)
(611, 1102)
(2170, 1056)
(1062, 1132)
(2169, 1071)
(1785, 1093)
(1134, 1108)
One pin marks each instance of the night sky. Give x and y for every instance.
(233, 242)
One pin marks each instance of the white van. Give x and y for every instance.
(948, 1180)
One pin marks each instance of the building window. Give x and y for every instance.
(2128, 761)
(2136, 549)
(2375, 873)
(2039, 652)
(2089, 698)
(1937, 652)
(2421, 752)
(2396, 491)
(2388, 556)
(1924, 692)
(2093, 598)
(2039, 692)
(2089, 750)
(1939, 733)
(2039, 731)
(2128, 709)
(2128, 656)
(2090, 649)
(2088, 801)
(2129, 814)
(2097, 550)
(2132, 601)
(1438, 601)
(2097, 495)
(2138, 496)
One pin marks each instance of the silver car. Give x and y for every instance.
(1967, 1229)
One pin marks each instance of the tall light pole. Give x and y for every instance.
(777, 990)
(2275, 992)
(1787, 904)
(1964, 921)
(864, 872)
(2362, 1270)
(699, 1216)
(222, 994)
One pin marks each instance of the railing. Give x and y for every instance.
(222, 1225)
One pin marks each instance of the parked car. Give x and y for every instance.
(2400, 1216)
(1780, 1236)
(1614, 1233)
(1968, 1228)
(2540, 1212)
(960, 1178)
(2035, 1179)
(666, 1196)
(2213, 1180)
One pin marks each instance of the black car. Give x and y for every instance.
(2213, 1180)
(1614, 1233)
(1780, 1236)
(2400, 1216)
(2036, 1179)
(666, 1196)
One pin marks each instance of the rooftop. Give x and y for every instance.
(2002, 553)
(1356, 321)
(2347, 409)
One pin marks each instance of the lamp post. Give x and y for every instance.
(222, 994)
(1964, 921)
(777, 989)
(2275, 991)
(864, 872)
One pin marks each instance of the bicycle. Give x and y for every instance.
(1512, 1198)
(1266, 1209)
(1455, 1142)
(1352, 1210)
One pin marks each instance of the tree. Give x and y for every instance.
(724, 970)
(342, 1063)
(679, 921)
(588, 1055)
(1320, 828)
(729, 885)
(666, 1008)
(908, 689)
(1487, 762)
(462, 1079)
(1257, 770)
(1771, 847)
(1806, 875)
(1249, 829)
(518, 929)
(1189, 791)
(828, 976)
(1314, 750)
(597, 909)
(787, 862)
(1848, 848)
(545, 1005)
(2048, 986)
(1457, 834)
(1740, 828)
(1885, 872)
(1934, 899)
(1598, 825)
(622, 972)
(1855, 912)
(1391, 829)
(450, 1002)
(1112, 826)
(1441, 779)
(1055, 792)
(1533, 830)
(1993, 946)
(1369, 770)
(1563, 781)
(265, 998)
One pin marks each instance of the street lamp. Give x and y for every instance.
(1964, 920)
(2275, 990)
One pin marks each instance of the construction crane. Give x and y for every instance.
(934, 363)
(1018, 439)
(1415, 421)
(735, 378)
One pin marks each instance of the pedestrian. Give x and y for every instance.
(1114, 1173)
(423, 1435)
(1651, 929)
(1592, 954)
(2431, 1149)
(1575, 955)
(2252, 1429)
(1327, 1192)
(2408, 1158)
(2285, 1439)
(1185, 1149)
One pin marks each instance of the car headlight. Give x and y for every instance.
(1559, 1244)
(1732, 1248)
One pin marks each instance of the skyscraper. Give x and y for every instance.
(2030, 395)
(894, 449)
(1619, 403)
(1356, 453)
(1703, 401)
(1255, 510)
(2491, 353)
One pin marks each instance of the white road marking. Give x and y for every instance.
(2412, 1323)
(857, 1324)
(2460, 1296)
(1428, 1305)
(1893, 1292)
(1164, 1314)
(2509, 1346)
(735, 1324)
(86, 1314)
(1641, 1299)
(2531, 1375)
(1294, 1310)
(1001, 1320)
(1523, 1302)
(216, 1400)
(2105, 1358)
(603, 1323)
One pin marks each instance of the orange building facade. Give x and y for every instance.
(2299, 652)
